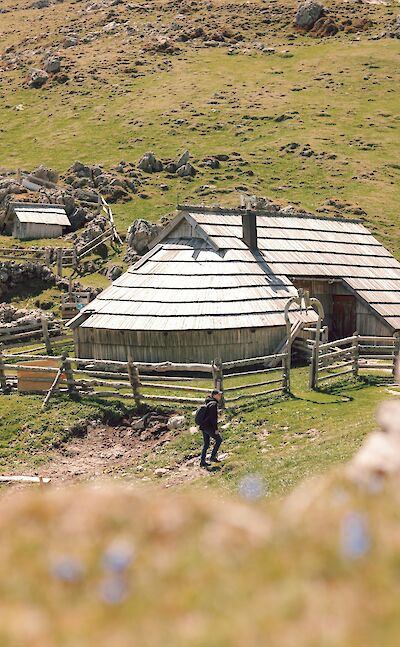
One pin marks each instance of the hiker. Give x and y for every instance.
(207, 419)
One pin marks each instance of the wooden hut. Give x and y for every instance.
(216, 281)
(27, 221)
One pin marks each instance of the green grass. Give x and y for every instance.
(288, 440)
(347, 106)
(28, 434)
(282, 440)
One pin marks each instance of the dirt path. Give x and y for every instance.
(117, 451)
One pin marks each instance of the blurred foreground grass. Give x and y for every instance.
(123, 566)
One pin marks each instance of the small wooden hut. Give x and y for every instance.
(27, 221)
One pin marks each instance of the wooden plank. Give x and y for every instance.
(261, 370)
(251, 386)
(254, 395)
(333, 367)
(252, 360)
(329, 377)
(338, 342)
(42, 480)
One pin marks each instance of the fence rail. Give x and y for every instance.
(165, 382)
(353, 354)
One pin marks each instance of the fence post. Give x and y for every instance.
(356, 345)
(69, 374)
(47, 256)
(313, 372)
(218, 377)
(56, 380)
(46, 337)
(134, 380)
(396, 357)
(74, 257)
(59, 261)
(3, 380)
(286, 373)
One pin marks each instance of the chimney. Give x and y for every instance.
(249, 228)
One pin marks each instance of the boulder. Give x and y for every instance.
(40, 4)
(186, 171)
(183, 159)
(81, 170)
(37, 78)
(308, 13)
(150, 164)
(113, 272)
(44, 173)
(52, 65)
(78, 218)
(140, 235)
(176, 422)
(70, 41)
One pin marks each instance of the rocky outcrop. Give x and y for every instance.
(36, 78)
(140, 234)
(12, 317)
(150, 164)
(308, 13)
(13, 274)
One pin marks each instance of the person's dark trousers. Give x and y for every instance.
(207, 434)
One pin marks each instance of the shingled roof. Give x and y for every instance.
(201, 275)
(46, 214)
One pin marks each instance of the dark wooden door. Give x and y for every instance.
(344, 316)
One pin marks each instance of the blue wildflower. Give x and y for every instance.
(118, 557)
(67, 569)
(252, 487)
(354, 536)
(113, 590)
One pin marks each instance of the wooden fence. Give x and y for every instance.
(166, 383)
(258, 368)
(48, 335)
(350, 356)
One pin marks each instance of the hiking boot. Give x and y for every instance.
(205, 465)
(214, 459)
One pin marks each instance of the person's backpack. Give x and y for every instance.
(201, 415)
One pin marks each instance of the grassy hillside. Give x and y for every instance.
(337, 95)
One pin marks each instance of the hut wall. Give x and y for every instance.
(183, 346)
(367, 323)
(32, 230)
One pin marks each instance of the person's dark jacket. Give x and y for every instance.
(211, 421)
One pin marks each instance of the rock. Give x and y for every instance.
(81, 170)
(138, 425)
(78, 218)
(140, 234)
(324, 27)
(186, 171)
(70, 41)
(176, 422)
(160, 471)
(37, 78)
(394, 31)
(150, 164)
(52, 65)
(93, 229)
(45, 173)
(40, 4)
(308, 14)
(183, 159)
(113, 272)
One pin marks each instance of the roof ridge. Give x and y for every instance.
(262, 212)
